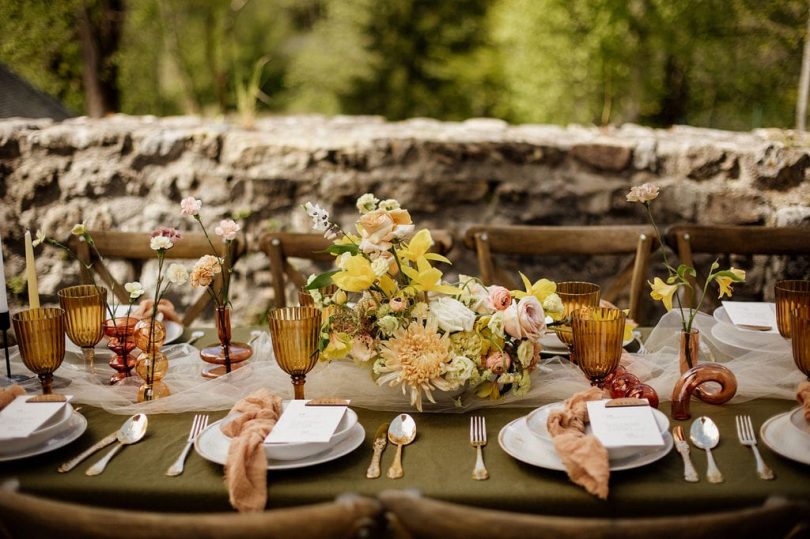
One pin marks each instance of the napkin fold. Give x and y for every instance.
(803, 396)
(165, 307)
(246, 465)
(8, 394)
(584, 456)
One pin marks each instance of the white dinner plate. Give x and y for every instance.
(212, 445)
(518, 442)
(76, 427)
(57, 424)
(721, 316)
(798, 421)
(749, 341)
(781, 437)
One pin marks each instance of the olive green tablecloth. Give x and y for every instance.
(439, 464)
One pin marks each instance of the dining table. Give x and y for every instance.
(439, 464)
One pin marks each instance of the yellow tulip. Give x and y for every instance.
(662, 291)
(356, 275)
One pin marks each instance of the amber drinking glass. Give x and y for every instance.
(800, 340)
(41, 337)
(84, 317)
(598, 333)
(575, 295)
(789, 295)
(295, 332)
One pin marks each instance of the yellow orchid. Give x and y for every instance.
(541, 289)
(488, 390)
(419, 246)
(662, 291)
(356, 275)
(427, 278)
(725, 281)
(340, 344)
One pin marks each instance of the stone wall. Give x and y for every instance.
(129, 173)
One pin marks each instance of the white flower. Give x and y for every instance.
(227, 229)
(380, 267)
(367, 203)
(177, 274)
(474, 294)
(160, 243)
(553, 304)
(320, 217)
(388, 324)
(135, 289)
(40, 238)
(525, 353)
(525, 319)
(420, 311)
(452, 315)
(459, 370)
(389, 204)
(79, 229)
(495, 324)
(643, 193)
(190, 206)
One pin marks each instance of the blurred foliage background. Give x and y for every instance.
(731, 64)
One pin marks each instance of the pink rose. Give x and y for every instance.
(525, 319)
(500, 298)
(190, 206)
(227, 229)
(498, 362)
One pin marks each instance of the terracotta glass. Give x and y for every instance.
(574, 296)
(151, 364)
(41, 338)
(295, 332)
(227, 355)
(800, 340)
(84, 307)
(689, 350)
(598, 333)
(694, 379)
(121, 333)
(789, 295)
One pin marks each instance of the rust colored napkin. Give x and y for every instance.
(803, 395)
(10, 393)
(246, 465)
(584, 456)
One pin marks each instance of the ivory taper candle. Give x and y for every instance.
(31, 272)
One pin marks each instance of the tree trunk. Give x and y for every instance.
(804, 82)
(99, 26)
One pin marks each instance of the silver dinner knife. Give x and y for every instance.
(75, 461)
(682, 446)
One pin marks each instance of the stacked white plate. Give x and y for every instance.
(527, 439)
(57, 432)
(213, 445)
(788, 434)
(748, 340)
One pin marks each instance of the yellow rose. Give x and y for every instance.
(356, 274)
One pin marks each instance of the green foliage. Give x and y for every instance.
(720, 63)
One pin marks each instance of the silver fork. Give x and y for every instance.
(197, 426)
(478, 439)
(747, 436)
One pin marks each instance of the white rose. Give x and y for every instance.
(525, 320)
(452, 315)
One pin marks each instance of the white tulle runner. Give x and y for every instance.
(768, 371)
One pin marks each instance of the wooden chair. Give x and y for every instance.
(23, 516)
(281, 246)
(687, 240)
(411, 516)
(134, 248)
(567, 240)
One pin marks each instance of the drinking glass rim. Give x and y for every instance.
(49, 313)
(596, 287)
(96, 292)
(786, 285)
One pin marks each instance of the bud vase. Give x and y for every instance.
(121, 332)
(689, 350)
(227, 355)
(152, 364)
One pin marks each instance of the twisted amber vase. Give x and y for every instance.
(41, 338)
(84, 307)
(295, 332)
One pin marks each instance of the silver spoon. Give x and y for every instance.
(195, 335)
(401, 432)
(130, 432)
(704, 434)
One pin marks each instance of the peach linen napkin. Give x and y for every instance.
(246, 465)
(10, 393)
(584, 456)
(803, 395)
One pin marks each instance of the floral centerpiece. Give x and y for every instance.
(394, 313)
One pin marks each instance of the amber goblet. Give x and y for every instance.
(295, 332)
(575, 295)
(84, 318)
(598, 334)
(800, 338)
(41, 337)
(790, 294)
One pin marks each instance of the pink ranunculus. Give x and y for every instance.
(397, 304)
(498, 362)
(167, 232)
(525, 319)
(500, 298)
(190, 206)
(227, 229)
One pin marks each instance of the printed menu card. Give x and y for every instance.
(623, 426)
(754, 314)
(302, 423)
(21, 418)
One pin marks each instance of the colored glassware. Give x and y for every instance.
(41, 338)
(295, 332)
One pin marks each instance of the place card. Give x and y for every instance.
(302, 423)
(21, 418)
(623, 426)
(752, 315)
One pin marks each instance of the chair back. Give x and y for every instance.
(280, 247)
(133, 247)
(567, 240)
(687, 240)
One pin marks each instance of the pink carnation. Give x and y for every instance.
(227, 229)
(190, 206)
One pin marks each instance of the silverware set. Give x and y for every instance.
(705, 435)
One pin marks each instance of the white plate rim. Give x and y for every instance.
(799, 411)
(629, 463)
(354, 440)
(717, 329)
(57, 442)
(766, 431)
(721, 317)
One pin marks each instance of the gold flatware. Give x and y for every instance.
(380, 441)
(478, 439)
(401, 432)
(197, 426)
(747, 436)
(682, 446)
(75, 461)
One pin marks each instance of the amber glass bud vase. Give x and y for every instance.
(121, 332)
(689, 350)
(227, 355)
